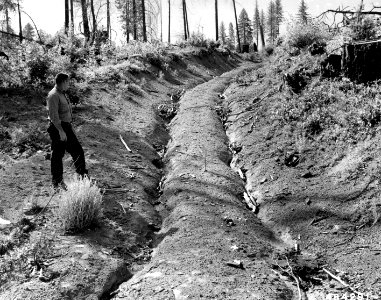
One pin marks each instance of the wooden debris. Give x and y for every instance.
(336, 278)
(124, 143)
(251, 202)
(243, 177)
(291, 272)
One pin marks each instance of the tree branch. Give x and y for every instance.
(24, 38)
(349, 12)
(38, 32)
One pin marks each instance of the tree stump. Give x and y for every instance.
(362, 61)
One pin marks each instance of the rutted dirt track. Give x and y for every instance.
(206, 224)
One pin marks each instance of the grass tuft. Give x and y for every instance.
(80, 206)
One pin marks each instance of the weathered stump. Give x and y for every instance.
(362, 61)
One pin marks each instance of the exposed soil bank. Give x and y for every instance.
(93, 264)
(206, 224)
(326, 202)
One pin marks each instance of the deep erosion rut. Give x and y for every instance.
(210, 245)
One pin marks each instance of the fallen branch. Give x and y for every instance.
(337, 11)
(124, 143)
(24, 38)
(291, 272)
(115, 190)
(337, 278)
(250, 201)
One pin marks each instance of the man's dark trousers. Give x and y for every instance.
(58, 149)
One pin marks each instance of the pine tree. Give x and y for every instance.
(28, 31)
(7, 6)
(278, 15)
(244, 27)
(271, 22)
(256, 23)
(222, 33)
(231, 38)
(302, 12)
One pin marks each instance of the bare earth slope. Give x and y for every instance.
(206, 224)
(90, 265)
(328, 201)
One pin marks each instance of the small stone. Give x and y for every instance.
(235, 264)
(263, 180)
(307, 175)
(4, 223)
(308, 201)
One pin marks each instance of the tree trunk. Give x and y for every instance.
(361, 61)
(86, 29)
(135, 20)
(93, 18)
(127, 21)
(66, 16)
(216, 12)
(236, 24)
(161, 21)
(72, 16)
(108, 20)
(262, 36)
(185, 21)
(169, 21)
(20, 25)
(144, 21)
(257, 35)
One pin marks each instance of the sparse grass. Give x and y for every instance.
(80, 207)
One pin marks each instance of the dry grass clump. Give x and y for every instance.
(80, 207)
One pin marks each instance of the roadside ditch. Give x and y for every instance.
(209, 245)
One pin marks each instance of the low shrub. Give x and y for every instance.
(80, 207)
(367, 29)
(301, 35)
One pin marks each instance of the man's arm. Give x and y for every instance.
(53, 101)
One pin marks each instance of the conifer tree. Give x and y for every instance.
(222, 33)
(278, 15)
(28, 31)
(231, 38)
(302, 12)
(244, 27)
(257, 22)
(271, 21)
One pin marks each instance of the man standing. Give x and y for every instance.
(62, 134)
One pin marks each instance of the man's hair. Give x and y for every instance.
(61, 77)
